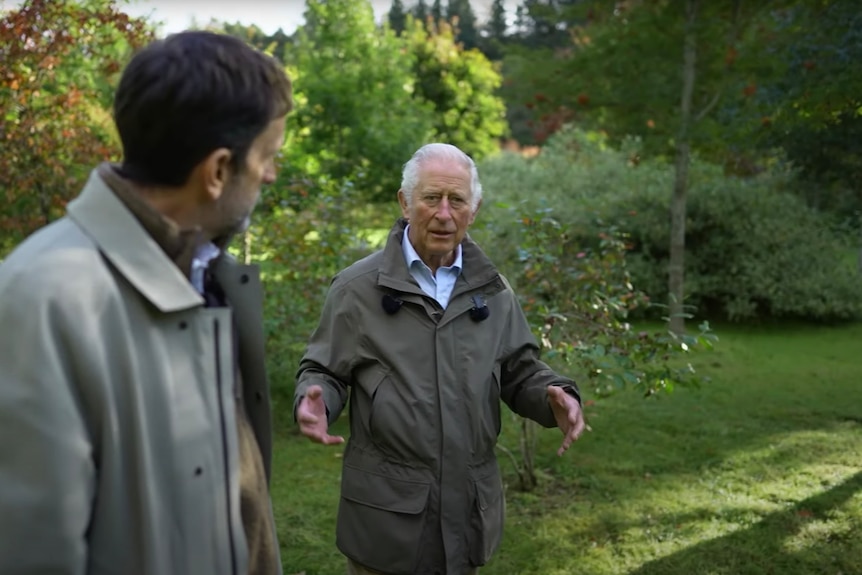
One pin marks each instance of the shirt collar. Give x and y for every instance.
(410, 255)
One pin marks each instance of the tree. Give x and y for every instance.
(461, 16)
(497, 26)
(357, 119)
(676, 267)
(60, 61)
(397, 17)
(461, 85)
(437, 12)
(420, 12)
(493, 37)
(544, 23)
(812, 108)
(669, 76)
(276, 44)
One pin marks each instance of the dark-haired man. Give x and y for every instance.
(134, 409)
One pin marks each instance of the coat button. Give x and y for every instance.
(183, 325)
(243, 279)
(258, 396)
(199, 471)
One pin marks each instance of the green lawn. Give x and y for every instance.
(760, 472)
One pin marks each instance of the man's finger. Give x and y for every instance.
(306, 417)
(332, 440)
(312, 434)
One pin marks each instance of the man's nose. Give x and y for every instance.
(445, 211)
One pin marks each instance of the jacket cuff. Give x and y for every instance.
(571, 390)
(331, 398)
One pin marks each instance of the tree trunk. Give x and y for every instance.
(246, 247)
(44, 203)
(676, 269)
(860, 242)
(528, 451)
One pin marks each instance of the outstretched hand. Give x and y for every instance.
(568, 414)
(311, 416)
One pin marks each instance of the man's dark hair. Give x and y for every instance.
(183, 97)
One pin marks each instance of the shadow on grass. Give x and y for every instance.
(787, 541)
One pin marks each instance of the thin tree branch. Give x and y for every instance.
(708, 108)
(512, 457)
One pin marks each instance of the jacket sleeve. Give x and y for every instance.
(524, 378)
(330, 355)
(47, 471)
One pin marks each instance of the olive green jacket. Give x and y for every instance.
(421, 490)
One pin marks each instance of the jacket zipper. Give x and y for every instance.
(225, 454)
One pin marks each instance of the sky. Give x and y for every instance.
(268, 15)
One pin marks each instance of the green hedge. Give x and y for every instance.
(754, 249)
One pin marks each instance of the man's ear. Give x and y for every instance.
(214, 172)
(476, 211)
(402, 201)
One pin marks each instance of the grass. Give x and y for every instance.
(759, 472)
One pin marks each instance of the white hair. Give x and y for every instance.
(438, 151)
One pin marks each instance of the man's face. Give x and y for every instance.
(233, 209)
(440, 210)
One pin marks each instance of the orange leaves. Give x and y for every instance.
(56, 55)
(49, 62)
(730, 56)
(749, 90)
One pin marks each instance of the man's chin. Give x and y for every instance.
(225, 235)
(243, 225)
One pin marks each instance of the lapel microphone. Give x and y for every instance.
(479, 311)
(391, 304)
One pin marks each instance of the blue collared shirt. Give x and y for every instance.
(202, 258)
(439, 287)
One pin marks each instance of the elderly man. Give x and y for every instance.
(134, 408)
(429, 337)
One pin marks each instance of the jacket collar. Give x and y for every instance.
(393, 273)
(120, 234)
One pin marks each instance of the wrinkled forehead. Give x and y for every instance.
(452, 174)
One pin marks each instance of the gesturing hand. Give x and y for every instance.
(567, 412)
(311, 416)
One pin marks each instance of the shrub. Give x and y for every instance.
(299, 251)
(753, 248)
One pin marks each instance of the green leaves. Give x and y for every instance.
(357, 117)
(461, 86)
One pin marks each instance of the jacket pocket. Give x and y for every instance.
(487, 518)
(380, 520)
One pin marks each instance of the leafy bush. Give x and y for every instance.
(299, 251)
(578, 300)
(753, 248)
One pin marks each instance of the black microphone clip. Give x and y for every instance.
(479, 311)
(391, 304)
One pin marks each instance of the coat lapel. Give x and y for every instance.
(244, 293)
(129, 248)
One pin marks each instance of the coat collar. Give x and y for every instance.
(393, 273)
(127, 245)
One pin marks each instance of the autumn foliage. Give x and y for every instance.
(58, 62)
